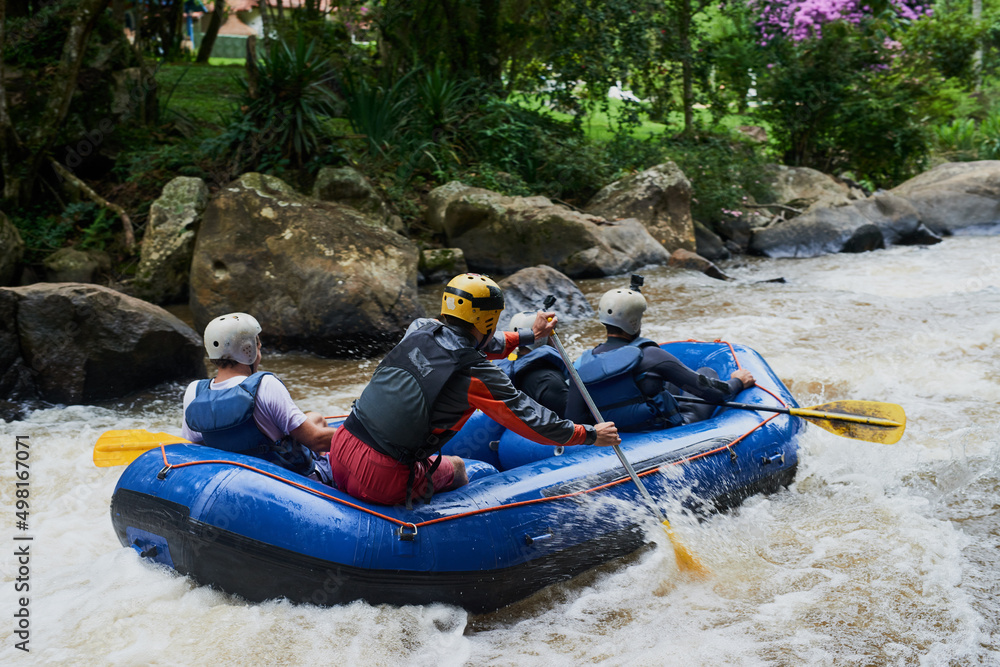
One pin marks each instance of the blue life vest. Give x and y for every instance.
(545, 355)
(224, 417)
(613, 385)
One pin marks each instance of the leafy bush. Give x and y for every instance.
(958, 140)
(725, 172)
(441, 98)
(989, 142)
(289, 103)
(486, 176)
(83, 224)
(947, 40)
(849, 101)
(42, 231)
(962, 140)
(377, 112)
(516, 140)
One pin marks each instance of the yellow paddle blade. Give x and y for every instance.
(686, 560)
(862, 420)
(116, 448)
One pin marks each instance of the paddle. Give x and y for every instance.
(861, 420)
(685, 559)
(116, 448)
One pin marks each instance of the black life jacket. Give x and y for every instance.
(614, 386)
(393, 413)
(395, 408)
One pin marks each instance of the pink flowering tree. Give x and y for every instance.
(804, 19)
(839, 91)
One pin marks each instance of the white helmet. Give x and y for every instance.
(524, 321)
(623, 308)
(233, 336)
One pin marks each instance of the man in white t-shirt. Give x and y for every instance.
(248, 411)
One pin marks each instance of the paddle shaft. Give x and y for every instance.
(597, 416)
(796, 412)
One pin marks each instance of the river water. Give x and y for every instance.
(876, 555)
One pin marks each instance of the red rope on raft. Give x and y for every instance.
(286, 481)
(495, 508)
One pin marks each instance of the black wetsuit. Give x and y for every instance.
(663, 369)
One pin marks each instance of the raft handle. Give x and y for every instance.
(773, 458)
(529, 540)
(405, 536)
(151, 552)
(162, 475)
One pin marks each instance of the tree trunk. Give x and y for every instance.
(208, 41)
(489, 42)
(457, 34)
(118, 11)
(139, 19)
(977, 57)
(687, 73)
(175, 17)
(11, 150)
(265, 22)
(253, 75)
(64, 81)
(18, 9)
(66, 174)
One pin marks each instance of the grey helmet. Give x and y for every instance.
(233, 336)
(524, 321)
(623, 308)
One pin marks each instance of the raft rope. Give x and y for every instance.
(167, 466)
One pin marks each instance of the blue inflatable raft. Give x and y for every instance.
(531, 515)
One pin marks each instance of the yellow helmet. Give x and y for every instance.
(474, 299)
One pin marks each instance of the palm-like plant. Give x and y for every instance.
(290, 97)
(377, 112)
(441, 97)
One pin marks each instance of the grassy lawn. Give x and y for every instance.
(206, 94)
(227, 61)
(202, 93)
(599, 124)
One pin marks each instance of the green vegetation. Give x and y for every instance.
(199, 93)
(503, 94)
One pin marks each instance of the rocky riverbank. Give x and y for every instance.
(333, 273)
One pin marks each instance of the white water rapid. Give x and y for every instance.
(876, 555)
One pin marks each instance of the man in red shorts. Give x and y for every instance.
(428, 386)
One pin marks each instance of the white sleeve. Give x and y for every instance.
(275, 412)
(186, 432)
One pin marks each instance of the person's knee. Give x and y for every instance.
(461, 477)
